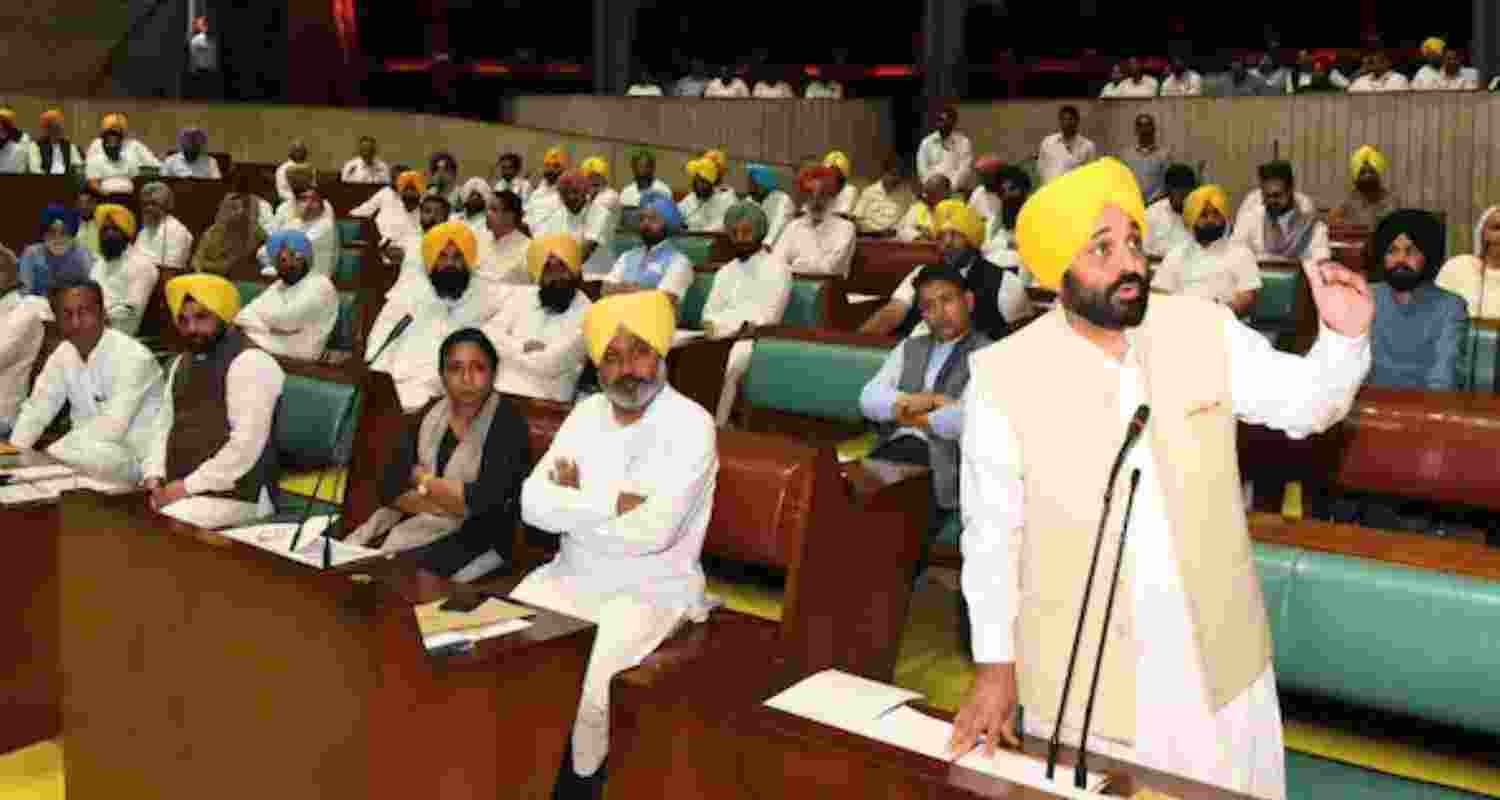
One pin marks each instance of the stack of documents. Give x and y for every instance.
(40, 484)
(878, 711)
(277, 538)
(493, 617)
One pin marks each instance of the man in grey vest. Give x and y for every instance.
(915, 398)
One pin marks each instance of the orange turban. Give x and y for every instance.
(555, 157)
(52, 115)
(119, 215)
(114, 122)
(411, 178)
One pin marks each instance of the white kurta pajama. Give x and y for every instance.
(779, 210)
(637, 575)
(813, 247)
(552, 372)
(630, 196)
(701, 216)
(601, 220)
(545, 201)
(128, 282)
(412, 358)
(952, 157)
(357, 171)
(1238, 746)
(114, 400)
(753, 291)
(57, 158)
(205, 168)
(504, 262)
(21, 334)
(167, 245)
(321, 231)
(293, 321)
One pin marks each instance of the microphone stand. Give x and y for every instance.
(1080, 772)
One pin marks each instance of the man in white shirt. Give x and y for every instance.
(644, 89)
(162, 239)
(296, 156)
(52, 153)
(1278, 222)
(546, 198)
(727, 85)
(818, 242)
(628, 484)
(1135, 82)
(1448, 77)
(1164, 227)
(777, 205)
(883, 203)
(749, 292)
(573, 188)
(366, 167)
(773, 87)
(127, 276)
(204, 79)
(310, 213)
(21, 332)
(395, 207)
(15, 145)
(510, 177)
(1065, 150)
(443, 303)
(213, 462)
(656, 264)
(985, 199)
(474, 203)
(432, 211)
(442, 177)
(1036, 462)
(114, 160)
(946, 152)
(1000, 230)
(920, 223)
(539, 333)
(703, 209)
(1112, 86)
(1380, 78)
(843, 202)
(819, 89)
(643, 167)
(601, 218)
(191, 159)
(1210, 265)
(505, 263)
(1181, 81)
(294, 316)
(110, 382)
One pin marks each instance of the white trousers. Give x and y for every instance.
(739, 363)
(629, 629)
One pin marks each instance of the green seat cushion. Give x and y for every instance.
(308, 420)
(342, 337)
(1312, 778)
(817, 379)
(1476, 364)
(347, 268)
(249, 290)
(802, 309)
(348, 231)
(690, 311)
(1276, 303)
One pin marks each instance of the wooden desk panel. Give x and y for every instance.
(30, 683)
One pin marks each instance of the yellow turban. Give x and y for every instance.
(1202, 198)
(704, 168)
(119, 215)
(413, 179)
(595, 166)
(647, 314)
(1366, 155)
(435, 241)
(838, 161)
(955, 215)
(555, 157)
(717, 156)
(211, 291)
(52, 115)
(1434, 46)
(1058, 220)
(562, 245)
(114, 122)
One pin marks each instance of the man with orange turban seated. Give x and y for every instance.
(419, 314)
(52, 153)
(394, 207)
(539, 333)
(115, 158)
(15, 145)
(1186, 685)
(213, 462)
(628, 487)
(546, 197)
(1211, 266)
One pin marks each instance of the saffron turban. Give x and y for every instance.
(1058, 220)
(838, 161)
(555, 157)
(289, 237)
(662, 204)
(1366, 155)
(764, 175)
(211, 291)
(647, 314)
(576, 179)
(595, 166)
(746, 210)
(988, 162)
(562, 245)
(1202, 198)
(955, 215)
(810, 176)
(717, 156)
(8, 115)
(52, 115)
(436, 240)
(704, 168)
(411, 179)
(114, 122)
(1434, 46)
(117, 215)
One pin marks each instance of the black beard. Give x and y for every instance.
(557, 298)
(474, 211)
(450, 284)
(112, 249)
(1403, 278)
(1100, 308)
(1009, 213)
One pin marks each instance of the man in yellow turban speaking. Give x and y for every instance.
(214, 463)
(1186, 684)
(628, 486)
(539, 335)
(1371, 198)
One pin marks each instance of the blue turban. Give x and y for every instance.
(56, 212)
(295, 239)
(764, 176)
(664, 205)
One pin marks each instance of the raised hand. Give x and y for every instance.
(1342, 297)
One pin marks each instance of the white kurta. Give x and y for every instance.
(630, 196)
(1215, 273)
(167, 245)
(504, 261)
(1000, 247)
(1058, 156)
(518, 186)
(392, 221)
(15, 156)
(1431, 80)
(702, 216)
(984, 202)
(21, 334)
(293, 321)
(810, 247)
(114, 399)
(780, 90)
(321, 231)
(1164, 228)
(128, 282)
(283, 186)
(636, 575)
(552, 372)
(357, 171)
(953, 157)
(843, 202)
(57, 158)
(1238, 746)
(412, 358)
(754, 292)
(643, 90)
(1189, 85)
(252, 386)
(1144, 86)
(878, 210)
(205, 168)
(734, 88)
(779, 210)
(1392, 81)
(544, 202)
(824, 90)
(601, 220)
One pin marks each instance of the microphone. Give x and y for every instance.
(401, 326)
(338, 438)
(1080, 771)
(1132, 434)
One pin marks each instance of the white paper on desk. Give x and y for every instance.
(18, 493)
(277, 538)
(103, 486)
(39, 473)
(836, 698)
(502, 628)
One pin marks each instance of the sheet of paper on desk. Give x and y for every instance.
(277, 538)
(836, 698)
(446, 638)
(432, 618)
(103, 486)
(39, 473)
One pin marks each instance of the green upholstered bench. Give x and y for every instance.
(346, 270)
(309, 435)
(1476, 363)
(803, 308)
(690, 310)
(1275, 309)
(349, 230)
(794, 384)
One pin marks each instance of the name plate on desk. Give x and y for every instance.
(878, 711)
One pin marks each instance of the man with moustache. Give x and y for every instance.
(1164, 226)
(818, 242)
(295, 315)
(1277, 221)
(1000, 230)
(703, 209)
(114, 159)
(749, 292)
(1186, 685)
(474, 209)
(51, 152)
(1210, 265)
(657, 263)
(127, 274)
(546, 197)
(395, 207)
(510, 177)
(1419, 327)
(296, 158)
(628, 486)
(213, 462)
(539, 334)
(643, 166)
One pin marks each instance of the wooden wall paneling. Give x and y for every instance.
(1430, 112)
(1461, 220)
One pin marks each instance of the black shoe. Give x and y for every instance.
(572, 786)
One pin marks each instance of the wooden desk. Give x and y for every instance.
(190, 659)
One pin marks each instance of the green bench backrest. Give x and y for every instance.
(342, 337)
(308, 417)
(347, 268)
(690, 310)
(348, 231)
(696, 248)
(803, 310)
(1276, 303)
(249, 290)
(816, 379)
(1476, 364)
(1379, 635)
